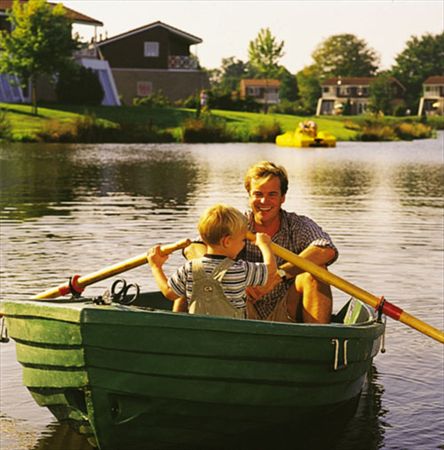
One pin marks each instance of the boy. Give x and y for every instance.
(215, 284)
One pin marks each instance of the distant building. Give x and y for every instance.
(153, 58)
(432, 101)
(264, 91)
(339, 92)
(11, 92)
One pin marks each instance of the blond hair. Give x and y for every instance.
(219, 221)
(266, 169)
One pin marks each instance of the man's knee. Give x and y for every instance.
(306, 281)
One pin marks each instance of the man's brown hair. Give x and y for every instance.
(266, 169)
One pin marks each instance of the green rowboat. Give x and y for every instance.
(142, 377)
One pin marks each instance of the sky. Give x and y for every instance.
(227, 27)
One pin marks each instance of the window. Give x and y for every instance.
(326, 89)
(144, 88)
(151, 49)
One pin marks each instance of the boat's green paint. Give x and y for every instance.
(134, 377)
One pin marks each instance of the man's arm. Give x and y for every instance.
(321, 256)
(318, 255)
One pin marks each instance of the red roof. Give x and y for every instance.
(355, 81)
(436, 79)
(74, 16)
(187, 36)
(260, 82)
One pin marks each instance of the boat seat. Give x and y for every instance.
(351, 313)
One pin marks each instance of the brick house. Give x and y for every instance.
(354, 91)
(265, 91)
(152, 58)
(432, 101)
(11, 92)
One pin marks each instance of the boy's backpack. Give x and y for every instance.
(208, 297)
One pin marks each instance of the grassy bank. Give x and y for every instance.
(140, 124)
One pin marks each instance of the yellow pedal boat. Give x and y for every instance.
(306, 135)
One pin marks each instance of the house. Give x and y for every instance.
(354, 92)
(155, 57)
(264, 91)
(11, 92)
(432, 101)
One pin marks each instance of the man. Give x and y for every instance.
(290, 295)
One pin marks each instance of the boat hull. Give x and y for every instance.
(137, 378)
(299, 139)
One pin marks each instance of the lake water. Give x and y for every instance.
(77, 208)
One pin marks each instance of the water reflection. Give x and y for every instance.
(420, 184)
(346, 180)
(39, 180)
(61, 437)
(359, 424)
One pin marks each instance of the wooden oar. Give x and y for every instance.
(80, 282)
(327, 277)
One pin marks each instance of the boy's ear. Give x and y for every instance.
(225, 241)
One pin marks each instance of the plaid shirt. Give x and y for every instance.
(296, 233)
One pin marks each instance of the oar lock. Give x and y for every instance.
(120, 292)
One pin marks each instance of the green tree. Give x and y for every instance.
(40, 42)
(344, 55)
(309, 88)
(381, 94)
(264, 54)
(227, 78)
(289, 86)
(422, 57)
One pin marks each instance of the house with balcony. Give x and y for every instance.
(155, 57)
(432, 101)
(263, 91)
(12, 92)
(351, 92)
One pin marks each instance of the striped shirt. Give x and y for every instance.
(240, 275)
(296, 233)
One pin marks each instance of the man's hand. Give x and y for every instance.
(255, 293)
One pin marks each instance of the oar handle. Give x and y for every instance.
(327, 277)
(107, 272)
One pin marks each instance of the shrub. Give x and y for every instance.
(410, 131)
(79, 86)
(156, 100)
(143, 133)
(207, 128)
(377, 132)
(56, 131)
(266, 132)
(285, 107)
(5, 126)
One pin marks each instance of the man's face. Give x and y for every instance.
(265, 199)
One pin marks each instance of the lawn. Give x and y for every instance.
(25, 125)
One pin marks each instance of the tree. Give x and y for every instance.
(78, 85)
(381, 94)
(309, 88)
(344, 55)
(289, 86)
(40, 42)
(422, 57)
(264, 53)
(229, 75)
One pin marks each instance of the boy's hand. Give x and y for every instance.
(262, 239)
(155, 257)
